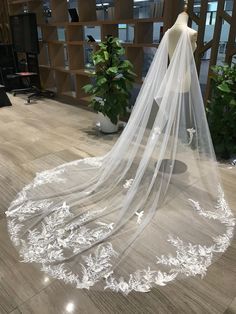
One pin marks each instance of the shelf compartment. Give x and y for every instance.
(123, 9)
(126, 33)
(59, 10)
(44, 55)
(109, 29)
(47, 78)
(143, 31)
(87, 10)
(65, 83)
(74, 33)
(75, 57)
(49, 32)
(81, 80)
(92, 30)
(57, 54)
(136, 56)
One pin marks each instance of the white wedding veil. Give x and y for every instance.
(150, 211)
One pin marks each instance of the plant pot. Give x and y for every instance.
(106, 126)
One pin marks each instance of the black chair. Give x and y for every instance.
(30, 80)
(4, 100)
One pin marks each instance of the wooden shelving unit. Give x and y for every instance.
(62, 62)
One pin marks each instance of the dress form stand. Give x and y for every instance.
(175, 32)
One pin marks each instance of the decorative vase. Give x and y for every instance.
(106, 126)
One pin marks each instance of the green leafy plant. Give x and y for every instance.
(113, 80)
(221, 110)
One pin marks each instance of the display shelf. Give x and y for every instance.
(76, 56)
(109, 29)
(62, 69)
(65, 83)
(44, 55)
(135, 56)
(143, 32)
(123, 9)
(64, 51)
(116, 21)
(85, 72)
(44, 66)
(56, 54)
(81, 80)
(59, 10)
(74, 33)
(49, 32)
(87, 10)
(140, 45)
(76, 43)
(69, 94)
(47, 78)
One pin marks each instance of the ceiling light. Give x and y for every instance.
(102, 4)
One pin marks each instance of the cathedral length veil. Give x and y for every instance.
(149, 212)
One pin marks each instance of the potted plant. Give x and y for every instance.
(221, 110)
(112, 81)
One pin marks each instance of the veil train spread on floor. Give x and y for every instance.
(150, 211)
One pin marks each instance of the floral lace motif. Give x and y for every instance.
(140, 216)
(190, 259)
(128, 183)
(141, 280)
(191, 133)
(156, 132)
(92, 270)
(53, 242)
(48, 176)
(96, 162)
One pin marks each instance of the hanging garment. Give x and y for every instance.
(150, 211)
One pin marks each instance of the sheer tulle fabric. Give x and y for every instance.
(150, 211)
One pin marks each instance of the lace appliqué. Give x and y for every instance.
(128, 183)
(48, 176)
(141, 280)
(191, 132)
(190, 259)
(156, 132)
(140, 216)
(94, 267)
(94, 161)
(52, 242)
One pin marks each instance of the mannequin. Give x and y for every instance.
(174, 34)
(177, 29)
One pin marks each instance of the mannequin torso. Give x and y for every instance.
(176, 30)
(174, 34)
